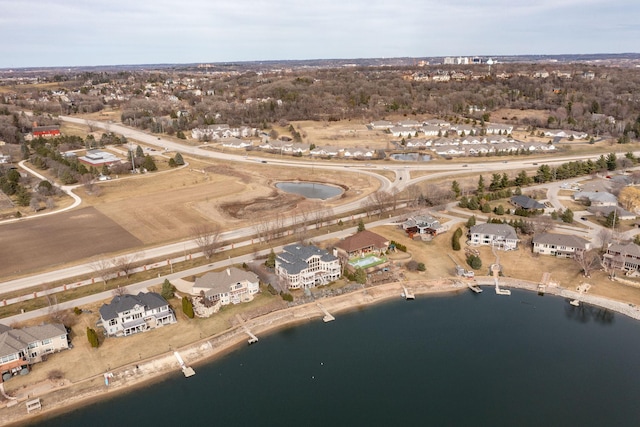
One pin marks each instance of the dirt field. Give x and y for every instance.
(45, 242)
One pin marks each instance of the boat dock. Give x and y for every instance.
(327, 316)
(475, 288)
(408, 295)
(186, 370)
(252, 338)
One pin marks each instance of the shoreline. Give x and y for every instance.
(69, 396)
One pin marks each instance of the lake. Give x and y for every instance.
(456, 360)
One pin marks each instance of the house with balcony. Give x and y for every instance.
(501, 236)
(230, 286)
(621, 256)
(560, 245)
(21, 348)
(130, 314)
(306, 266)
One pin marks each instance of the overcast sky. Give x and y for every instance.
(113, 32)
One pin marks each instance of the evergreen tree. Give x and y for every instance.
(481, 186)
(611, 162)
(271, 260)
(474, 262)
(360, 276)
(167, 289)
(187, 307)
(455, 187)
(139, 151)
(361, 226)
(178, 159)
(149, 164)
(455, 239)
(567, 216)
(471, 221)
(92, 336)
(486, 208)
(612, 219)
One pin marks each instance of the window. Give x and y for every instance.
(33, 344)
(47, 341)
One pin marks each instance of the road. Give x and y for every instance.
(402, 180)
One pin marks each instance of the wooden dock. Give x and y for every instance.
(33, 405)
(408, 295)
(327, 316)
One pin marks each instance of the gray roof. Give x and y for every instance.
(606, 210)
(628, 249)
(14, 340)
(526, 202)
(122, 303)
(567, 240)
(596, 196)
(503, 230)
(220, 281)
(294, 257)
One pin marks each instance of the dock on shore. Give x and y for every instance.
(408, 295)
(327, 316)
(186, 370)
(475, 288)
(252, 338)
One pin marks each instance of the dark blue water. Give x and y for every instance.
(310, 190)
(481, 360)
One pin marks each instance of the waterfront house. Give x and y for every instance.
(130, 314)
(305, 266)
(622, 256)
(362, 243)
(501, 236)
(560, 245)
(230, 286)
(20, 348)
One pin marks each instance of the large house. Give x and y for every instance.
(362, 243)
(622, 256)
(20, 348)
(560, 245)
(130, 314)
(302, 266)
(502, 236)
(230, 286)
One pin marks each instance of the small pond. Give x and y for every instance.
(411, 157)
(310, 190)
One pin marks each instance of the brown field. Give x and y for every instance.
(57, 239)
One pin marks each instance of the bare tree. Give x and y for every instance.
(104, 268)
(126, 263)
(543, 224)
(207, 237)
(120, 291)
(605, 235)
(588, 261)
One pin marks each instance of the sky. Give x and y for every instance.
(48, 33)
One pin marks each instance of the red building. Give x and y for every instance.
(45, 131)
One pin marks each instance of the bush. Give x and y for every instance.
(286, 296)
(421, 266)
(455, 239)
(474, 262)
(399, 246)
(412, 265)
(92, 336)
(77, 311)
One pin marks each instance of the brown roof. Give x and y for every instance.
(361, 240)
